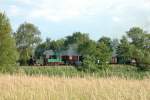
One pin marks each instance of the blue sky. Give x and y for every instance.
(59, 18)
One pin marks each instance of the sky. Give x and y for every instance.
(59, 18)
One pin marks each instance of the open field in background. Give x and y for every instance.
(121, 71)
(22, 87)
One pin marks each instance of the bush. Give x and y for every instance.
(89, 64)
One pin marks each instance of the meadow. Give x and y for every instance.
(118, 82)
(22, 87)
(121, 71)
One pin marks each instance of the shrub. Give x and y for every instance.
(89, 64)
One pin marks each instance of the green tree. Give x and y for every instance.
(103, 53)
(107, 41)
(137, 36)
(81, 43)
(56, 45)
(40, 49)
(77, 38)
(27, 37)
(9, 55)
(140, 40)
(123, 50)
(88, 48)
(96, 55)
(114, 44)
(135, 46)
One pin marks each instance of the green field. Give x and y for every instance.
(122, 71)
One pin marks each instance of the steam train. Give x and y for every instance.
(68, 57)
(51, 57)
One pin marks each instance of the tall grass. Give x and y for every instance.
(22, 87)
(69, 71)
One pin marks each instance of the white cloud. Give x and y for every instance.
(24, 2)
(69, 9)
(14, 10)
(116, 19)
(147, 23)
(59, 10)
(1, 1)
(116, 16)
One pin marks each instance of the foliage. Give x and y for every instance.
(27, 37)
(8, 51)
(56, 45)
(103, 53)
(87, 48)
(89, 64)
(123, 50)
(39, 50)
(95, 54)
(114, 45)
(137, 36)
(107, 41)
(77, 38)
(74, 41)
(139, 40)
(136, 48)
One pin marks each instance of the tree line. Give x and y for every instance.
(17, 47)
